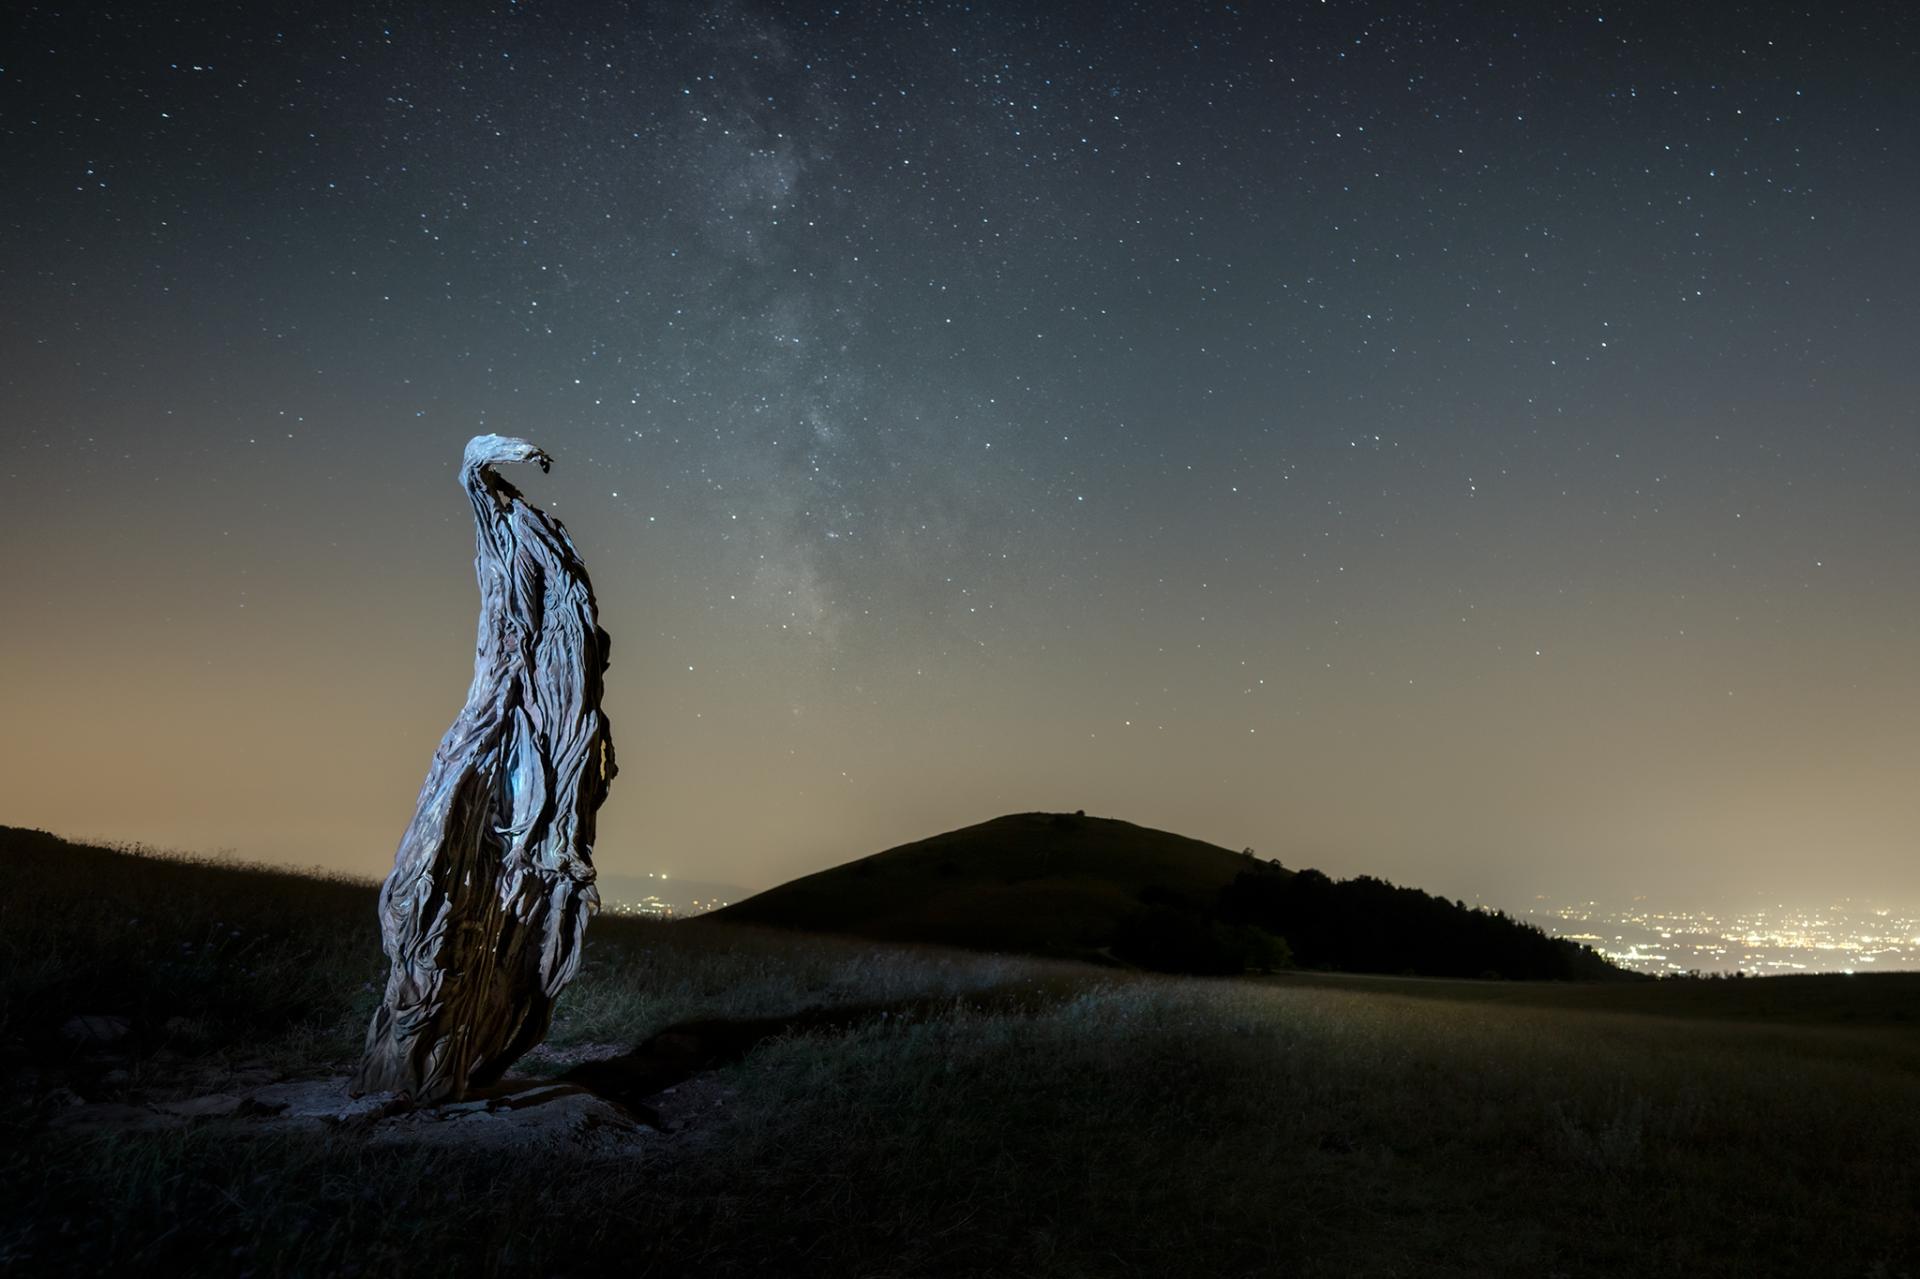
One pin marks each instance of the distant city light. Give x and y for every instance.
(657, 905)
(1834, 938)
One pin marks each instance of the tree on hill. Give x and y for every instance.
(1369, 925)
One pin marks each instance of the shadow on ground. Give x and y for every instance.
(635, 1079)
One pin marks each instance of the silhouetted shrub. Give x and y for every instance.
(1171, 940)
(1260, 951)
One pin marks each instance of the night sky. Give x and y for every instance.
(1470, 444)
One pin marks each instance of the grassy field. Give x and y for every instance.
(1006, 1117)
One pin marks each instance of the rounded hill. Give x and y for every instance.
(1043, 883)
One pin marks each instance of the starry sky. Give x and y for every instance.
(1472, 444)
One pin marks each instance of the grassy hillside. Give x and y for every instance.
(1039, 883)
(963, 1114)
(195, 954)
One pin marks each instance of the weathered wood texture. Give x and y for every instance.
(486, 909)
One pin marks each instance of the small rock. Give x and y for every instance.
(216, 1106)
(96, 1030)
(455, 1109)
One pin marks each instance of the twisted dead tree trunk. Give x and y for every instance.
(484, 914)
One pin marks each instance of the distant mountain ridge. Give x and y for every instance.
(1071, 885)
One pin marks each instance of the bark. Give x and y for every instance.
(486, 910)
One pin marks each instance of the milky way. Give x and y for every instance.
(1470, 444)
